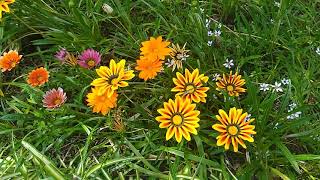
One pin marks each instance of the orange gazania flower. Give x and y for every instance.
(234, 128)
(148, 68)
(180, 117)
(101, 103)
(155, 48)
(190, 86)
(4, 6)
(9, 60)
(231, 83)
(38, 77)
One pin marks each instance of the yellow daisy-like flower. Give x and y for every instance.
(4, 6)
(234, 128)
(190, 86)
(113, 77)
(180, 117)
(155, 48)
(231, 83)
(101, 103)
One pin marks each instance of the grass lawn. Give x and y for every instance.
(160, 89)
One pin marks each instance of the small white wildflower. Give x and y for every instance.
(201, 10)
(276, 126)
(264, 87)
(210, 43)
(292, 106)
(277, 4)
(210, 33)
(247, 118)
(285, 81)
(106, 8)
(208, 21)
(216, 76)
(272, 21)
(219, 25)
(318, 50)
(229, 63)
(294, 115)
(217, 33)
(277, 87)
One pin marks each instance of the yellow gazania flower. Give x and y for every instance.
(180, 117)
(113, 77)
(155, 48)
(231, 83)
(190, 86)
(4, 6)
(101, 103)
(234, 128)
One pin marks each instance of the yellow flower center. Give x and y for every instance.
(177, 119)
(91, 63)
(230, 88)
(13, 64)
(57, 101)
(233, 130)
(190, 89)
(40, 78)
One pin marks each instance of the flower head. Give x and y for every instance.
(277, 87)
(155, 48)
(233, 128)
(4, 6)
(101, 103)
(61, 54)
(89, 58)
(178, 55)
(38, 77)
(228, 64)
(190, 86)
(285, 81)
(54, 98)
(318, 50)
(180, 117)
(216, 77)
(264, 87)
(9, 60)
(106, 8)
(112, 77)
(210, 43)
(148, 68)
(231, 84)
(210, 33)
(217, 33)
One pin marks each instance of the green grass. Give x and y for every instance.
(72, 142)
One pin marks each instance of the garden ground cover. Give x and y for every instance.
(110, 89)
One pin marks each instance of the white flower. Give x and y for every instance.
(277, 87)
(277, 4)
(216, 76)
(292, 107)
(217, 33)
(219, 25)
(272, 21)
(264, 87)
(276, 126)
(285, 81)
(318, 50)
(210, 33)
(106, 8)
(247, 118)
(294, 115)
(210, 43)
(228, 63)
(201, 10)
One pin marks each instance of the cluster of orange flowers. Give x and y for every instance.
(178, 115)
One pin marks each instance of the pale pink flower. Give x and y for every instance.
(54, 98)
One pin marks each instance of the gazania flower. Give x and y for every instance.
(112, 77)
(61, 54)
(101, 103)
(233, 128)
(180, 117)
(9, 60)
(89, 58)
(54, 98)
(178, 55)
(155, 48)
(38, 77)
(148, 68)
(190, 86)
(232, 84)
(4, 6)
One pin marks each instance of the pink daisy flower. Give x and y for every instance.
(89, 58)
(54, 98)
(61, 54)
